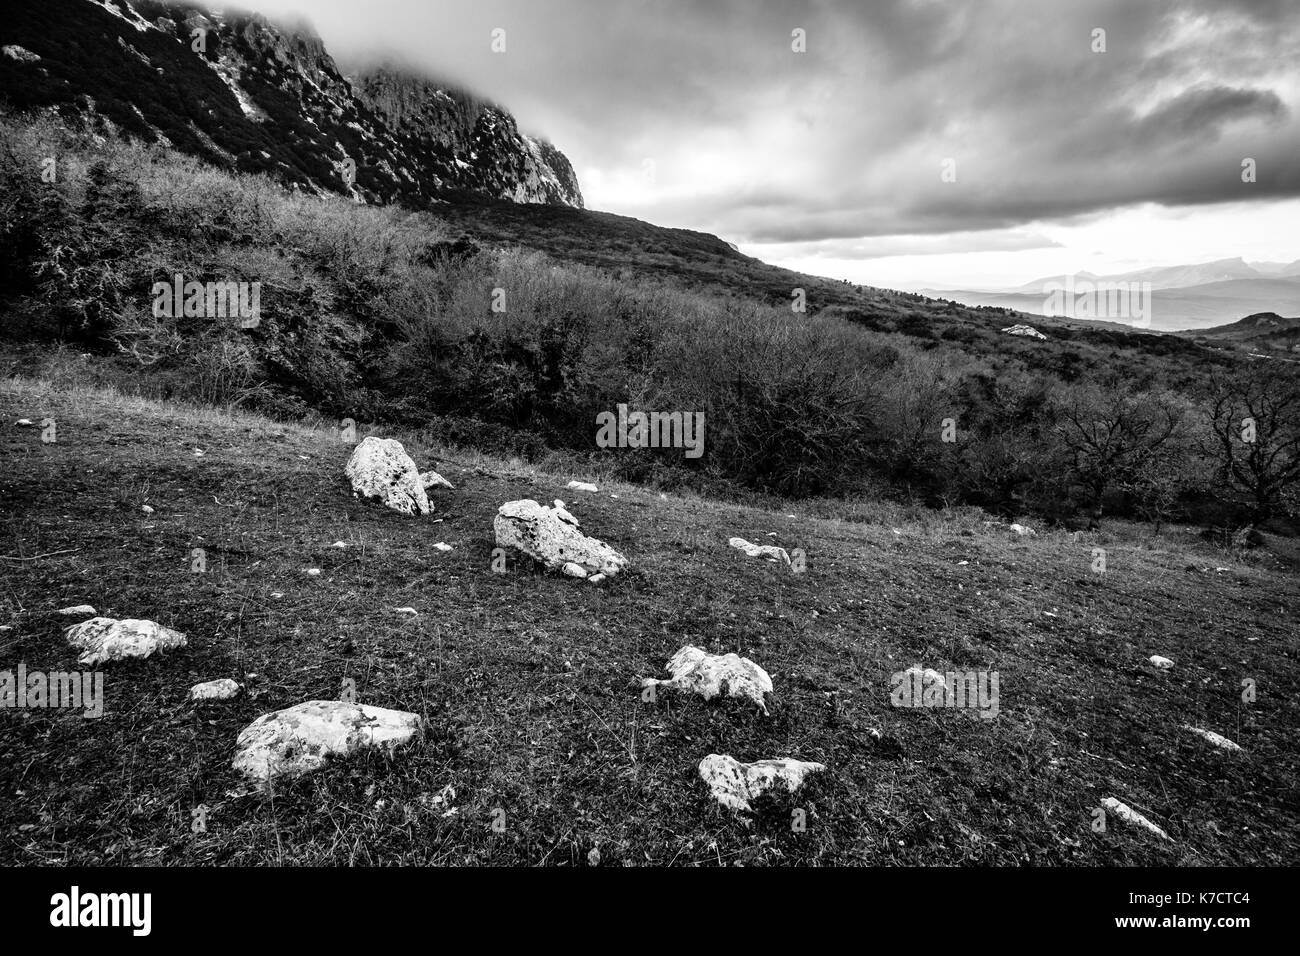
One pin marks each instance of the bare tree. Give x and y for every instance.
(1119, 439)
(1255, 418)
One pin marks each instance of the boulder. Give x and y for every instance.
(734, 784)
(222, 689)
(1028, 331)
(103, 639)
(380, 468)
(771, 552)
(582, 486)
(1022, 530)
(550, 536)
(711, 675)
(1163, 663)
(299, 739)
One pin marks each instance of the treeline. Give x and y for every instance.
(378, 314)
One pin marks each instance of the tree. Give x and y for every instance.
(1118, 439)
(1255, 419)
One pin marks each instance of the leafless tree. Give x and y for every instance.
(1255, 419)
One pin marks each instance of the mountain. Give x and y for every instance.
(1193, 307)
(1262, 331)
(1163, 277)
(249, 95)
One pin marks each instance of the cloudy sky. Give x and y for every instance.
(701, 115)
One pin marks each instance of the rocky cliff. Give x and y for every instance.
(245, 93)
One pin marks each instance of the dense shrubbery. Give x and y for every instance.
(375, 314)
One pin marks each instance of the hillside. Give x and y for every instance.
(530, 682)
(246, 94)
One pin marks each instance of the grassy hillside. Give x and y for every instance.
(530, 681)
(509, 328)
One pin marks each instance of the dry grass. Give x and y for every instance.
(530, 686)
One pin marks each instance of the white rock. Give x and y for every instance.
(760, 550)
(104, 639)
(431, 479)
(1022, 530)
(380, 468)
(1129, 815)
(313, 572)
(734, 784)
(77, 610)
(551, 536)
(146, 509)
(222, 689)
(596, 578)
(442, 546)
(574, 570)
(24, 423)
(408, 611)
(1217, 739)
(582, 486)
(1163, 663)
(339, 544)
(277, 594)
(298, 739)
(1026, 330)
(711, 675)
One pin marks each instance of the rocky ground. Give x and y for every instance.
(539, 742)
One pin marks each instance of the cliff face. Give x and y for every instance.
(487, 152)
(245, 93)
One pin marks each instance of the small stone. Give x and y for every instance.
(1163, 663)
(313, 572)
(1129, 815)
(1217, 740)
(77, 610)
(442, 546)
(147, 509)
(734, 784)
(222, 689)
(408, 611)
(582, 486)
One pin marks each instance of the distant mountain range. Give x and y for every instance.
(1182, 297)
(246, 94)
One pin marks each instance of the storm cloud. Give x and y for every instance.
(702, 115)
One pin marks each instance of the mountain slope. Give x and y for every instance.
(529, 682)
(246, 94)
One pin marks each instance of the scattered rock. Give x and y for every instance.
(771, 552)
(77, 610)
(734, 784)
(1217, 739)
(1022, 530)
(222, 689)
(1163, 663)
(1026, 330)
(574, 570)
(551, 536)
(313, 572)
(298, 739)
(582, 486)
(431, 479)
(104, 639)
(442, 546)
(596, 578)
(24, 423)
(1129, 815)
(711, 675)
(146, 509)
(339, 544)
(380, 468)
(408, 611)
